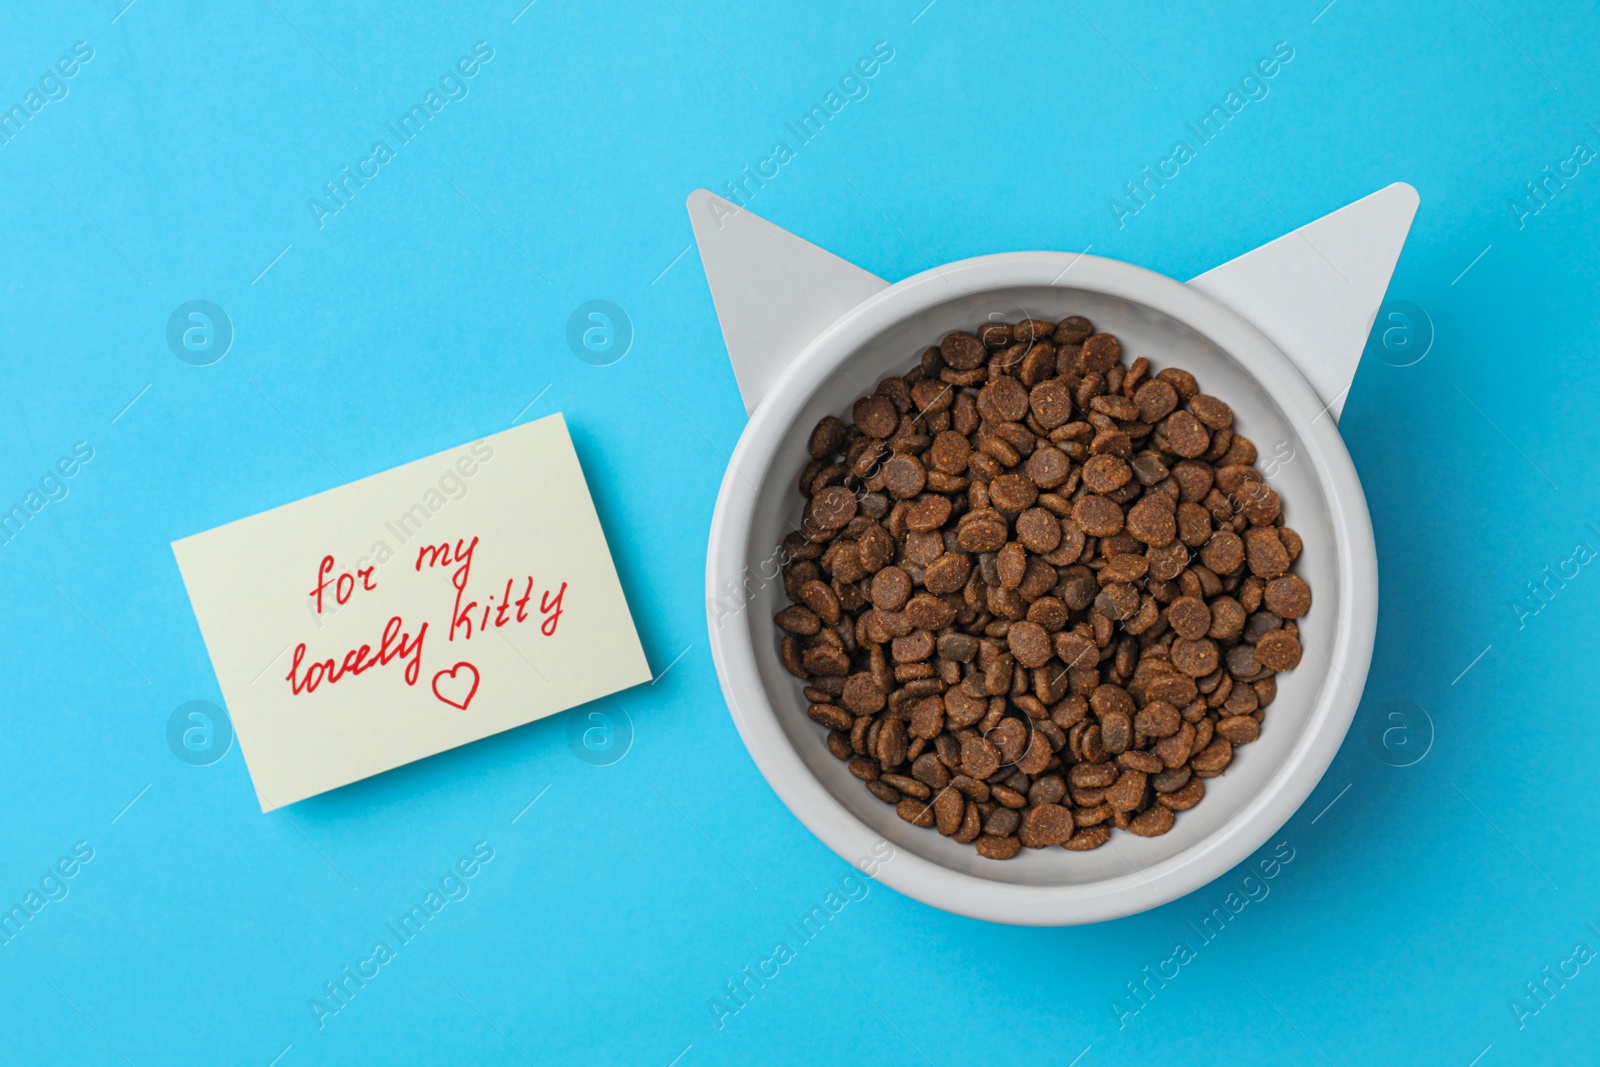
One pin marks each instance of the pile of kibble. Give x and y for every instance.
(1038, 592)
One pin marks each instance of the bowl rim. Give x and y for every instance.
(1333, 707)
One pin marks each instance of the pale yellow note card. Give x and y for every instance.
(412, 611)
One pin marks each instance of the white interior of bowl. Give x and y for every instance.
(1302, 454)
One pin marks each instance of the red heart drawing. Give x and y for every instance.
(451, 675)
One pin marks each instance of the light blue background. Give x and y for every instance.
(432, 309)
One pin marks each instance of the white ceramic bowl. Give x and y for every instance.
(1273, 405)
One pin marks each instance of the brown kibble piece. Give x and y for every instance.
(927, 718)
(1115, 406)
(950, 452)
(1002, 822)
(1051, 402)
(1239, 729)
(1011, 565)
(1116, 732)
(982, 535)
(1124, 567)
(832, 508)
(1153, 822)
(1117, 601)
(1038, 530)
(908, 786)
(875, 416)
(1259, 503)
(1013, 492)
(826, 661)
(1092, 775)
(885, 793)
(1153, 522)
(839, 745)
(862, 695)
(1171, 780)
(828, 438)
(1224, 553)
(1128, 792)
(798, 620)
(891, 588)
(1174, 750)
(1278, 651)
(948, 809)
(1184, 797)
(1211, 411)
(926, 515)
(831, 717)
(891, 750)
(1033, 329)
(1181, 380)
(1140, 760)
(1173, 688)
(1100, 352)
(1106, 473)
(930, 771)
(1156, 399)
(1213, 759)
(1265, 553)
(1195, 658)
(916, 812)
(971, 825)
(1186, 435)
(998, 848)
(979, 758)
(820, 598)
(1046, 824)
(1194, 524)
(1189, 617)
(1038, 755)
(1072, 330)
(1030, 644)
(1157, 719)
(995, 334)
(1003, 400)
(963, 351)
(1288, 596)
(947, 574)
(904, 476)
(1097, 516)
(1089, 837)
(1227, 619)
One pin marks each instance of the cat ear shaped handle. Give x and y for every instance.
(1315, 291)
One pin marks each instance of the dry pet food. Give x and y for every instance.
(1039, 593)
